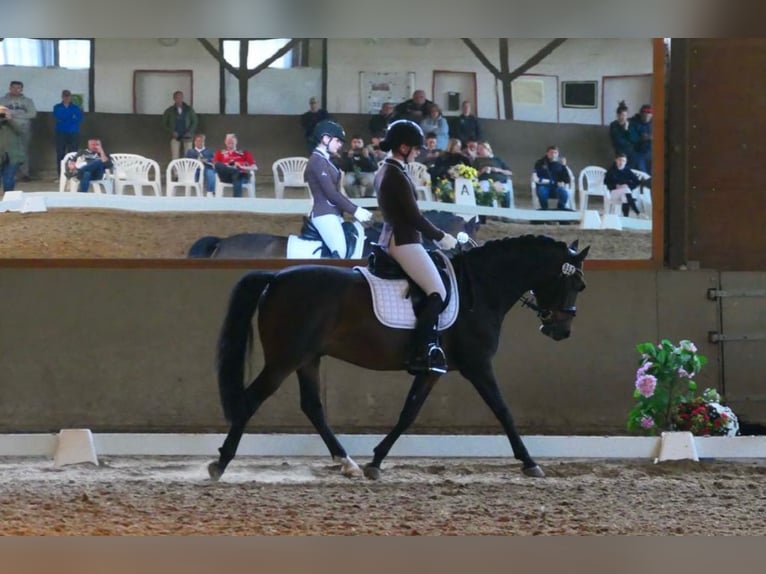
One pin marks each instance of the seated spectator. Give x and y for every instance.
(619, 132)
(470, 150)
(550, 177)
(233, 165)
(205, 155)
(310, 119)
(452, 156)
(467, 125)
(641, 135)
(89, 164)
(379, 122)
(620, 180)
(376, 153)
(415, 109)
(436, 123)
(429, 153)
(11, 149)
(359, 169)
(492, 169)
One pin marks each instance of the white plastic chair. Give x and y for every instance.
(289, 172)
(186, 173)
(591, 182)
(571, 188)
(136, 171)
(247, 186)
(644, 196)
(105, 185)
(485, 183)
(422, 179)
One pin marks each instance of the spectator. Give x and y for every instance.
(378, 123)
(89, 164)
(493, 170)
(467, 125)
(11, 150)
(180, 120)
(436, 123)
(359, 169)
(415, 109)
(429, 153)
(68, 118)
(205, 155)
(641, 135)
(451, 157)
(620, 180)
(377, 154)
(619, 132)
(471, 150)
(550, 177)
(233, 165)
(310, 119)
(23, 110)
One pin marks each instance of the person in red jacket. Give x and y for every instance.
(233, 165)
(402, 237)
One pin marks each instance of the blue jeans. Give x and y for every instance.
(233, 176)
(91, 171)
(8, 173)
(545, 191)
(642, 162)
(210, 179)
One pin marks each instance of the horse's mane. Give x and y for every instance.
(520, 244)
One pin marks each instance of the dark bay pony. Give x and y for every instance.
(306, 312)
(266, 245)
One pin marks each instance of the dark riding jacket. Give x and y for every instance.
(397, 200)
(324, 182)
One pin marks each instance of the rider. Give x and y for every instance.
(403, 229)
(324, 181)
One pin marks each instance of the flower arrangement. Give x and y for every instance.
(665, 393)
(464, 171)
(444, 187)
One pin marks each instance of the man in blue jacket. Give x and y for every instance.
(68, 118)
(641, 134)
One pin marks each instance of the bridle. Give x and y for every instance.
(568, 307)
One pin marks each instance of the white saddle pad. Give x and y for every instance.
(394, 310)
(298, 248)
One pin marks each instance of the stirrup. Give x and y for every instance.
(433, 361)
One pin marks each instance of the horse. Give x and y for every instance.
(309, 311)
(265, 245)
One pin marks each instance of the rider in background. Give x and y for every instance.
(403, 229)
(324, 181)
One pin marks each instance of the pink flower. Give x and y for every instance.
(643, 369)
(688, 346)
(683, 374)
(646, 422)
(646, 385)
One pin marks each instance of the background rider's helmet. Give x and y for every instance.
(328, 128)
(402, 132)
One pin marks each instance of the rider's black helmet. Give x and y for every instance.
(402, 132)
(328, 128)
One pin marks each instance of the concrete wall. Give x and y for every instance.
(133, 350)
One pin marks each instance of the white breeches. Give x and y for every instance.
(331, 230)
(418, 265)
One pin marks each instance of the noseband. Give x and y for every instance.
(568, 307)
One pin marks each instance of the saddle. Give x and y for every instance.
(310, 233)
(382, 265)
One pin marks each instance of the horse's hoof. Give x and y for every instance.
(348, 467)
(533, 471)
(372, 472)
(214, 471)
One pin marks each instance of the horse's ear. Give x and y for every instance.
(583, 254)
(574, 245)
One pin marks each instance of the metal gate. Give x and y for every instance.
(742, 340)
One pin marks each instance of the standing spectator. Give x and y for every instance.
(180, 120)
(619, 180)
(641, 134)
(68, 117)
(550, 176)
(436, 123)
(358, 167)
(619, 132)
(234, 166)
(205, 155)
(467, 125)
(24, 111)
(89, 165)
(414, 109)
(378, 123)
(11, 151)
(310, 119)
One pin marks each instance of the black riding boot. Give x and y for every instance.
(426, 354)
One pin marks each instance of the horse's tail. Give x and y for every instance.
(204, 247)
(235, 342)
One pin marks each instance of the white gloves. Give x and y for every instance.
(447, 242)
(362, 215)
(463, 237)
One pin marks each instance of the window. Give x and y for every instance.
(579, 94)
(258, 51)
(73, 54)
